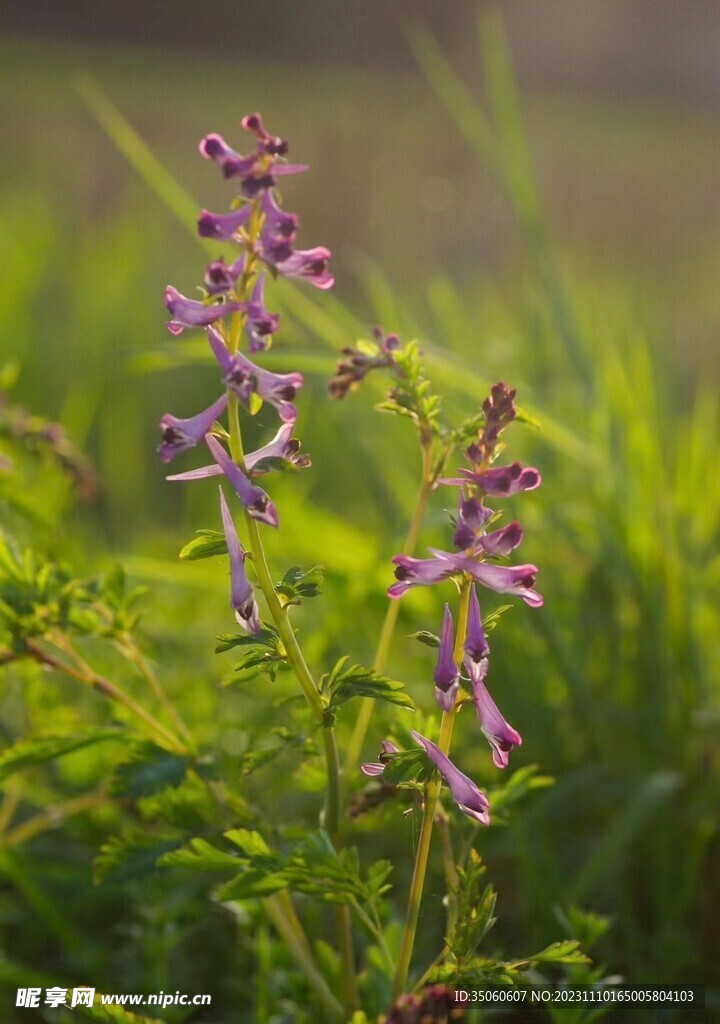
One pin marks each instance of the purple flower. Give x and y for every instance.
(310, 264)
(419, 572)
(500, 481)
(242, 598)
(283, 447)
(378, 767)
(257, 170)
(223, 225)
(517, 579)
(220, 278)
(472, 516)
(501, 542)
(179, 435)
(259, 462)
(260, 324)
(245, 378)
(447, 674)
(465, 793)
(189, 313)
(253, 498)
(232, 164)
(476, 645)
(279, 228)
(499, 733)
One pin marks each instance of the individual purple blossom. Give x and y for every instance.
(282, 447)
(179, 435)
(447, 674)
(500, 481)
(244, 378)
(310, 264)
(471, 800)
(373, 768)
(472, 516)
(253, 498)
(221, 278)
(499, 733)
(418, 572)
(279, 228)
(260, 324)
(259, 169)
(242, 597)
(476, 645)
(517, 579)
(190, 313)
(223, 226)
(503, 541)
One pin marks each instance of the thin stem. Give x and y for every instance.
(432, 792)
(130, 648)
(277, 909)
(382, 651)
(87, 675)
(53, 817)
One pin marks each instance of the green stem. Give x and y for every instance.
(277, 912)
(296, 659)
(432, 793)
(382, 652)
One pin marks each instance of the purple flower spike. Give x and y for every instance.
(223, 225)
(476, 645)
(499, 733)
(260, 323)
(242, 598)
(502, 542)
(373, 768)
(220, 278)
(447, 674)
(179, 435)
(418, 572)
(245, 378)
(465, 793)
(283, 446)
(310, 264)
(189, 313)
(254, 499)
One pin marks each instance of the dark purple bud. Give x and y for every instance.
(221, 278)
(476, 645)
(447, 674)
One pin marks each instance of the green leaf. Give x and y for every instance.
(407, 766)
(342, 684)
(298, 583)
(150, 769)
(267, 637)
(131, 855)
(475, 906)
(40, 749)
(199, 855)
(566, 952)
(423, 636)
(206, 544)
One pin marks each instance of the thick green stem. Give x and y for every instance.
(367, 705)
(432, 792)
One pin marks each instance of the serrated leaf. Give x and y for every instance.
(407, 766)
(342, 684)
(298, 582)
(566, 952)
(206, 544)
(150, 769)
(40, 749)
(251, 883)
(267, 637)
(131, 856)
(199, 855)
(250, 843)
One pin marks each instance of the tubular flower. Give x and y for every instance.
(419, 572)
(472, 516)
(373, 768)
(501, 542)
(476, 645)
(221, 278)
(447, 674)
(223, 225)
(310, 264)
(499, 733)
(471, 800)
(242, 598)
(244, 378)
(283, 447)
(259, 169)
(253, 498)
(179, 435)
(260, 324)
(516, 579)
(500, 481)
(190, 313)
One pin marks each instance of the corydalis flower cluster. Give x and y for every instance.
(478, 559)
(232, 307)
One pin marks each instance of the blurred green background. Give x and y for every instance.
(575, 256)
